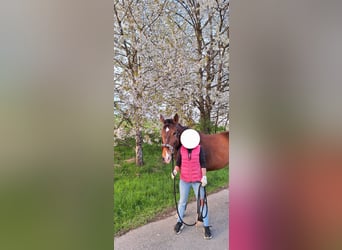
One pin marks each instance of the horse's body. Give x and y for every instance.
(215, 146)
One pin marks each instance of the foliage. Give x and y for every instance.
(170, 56)
(214, 128)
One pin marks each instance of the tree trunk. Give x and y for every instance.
(205, 122)
(138, 148)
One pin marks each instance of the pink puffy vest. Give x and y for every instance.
(191, 168)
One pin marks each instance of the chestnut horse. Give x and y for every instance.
(215, 146)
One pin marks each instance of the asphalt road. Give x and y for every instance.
(159, 235)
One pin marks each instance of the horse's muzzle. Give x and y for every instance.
(167, 158)
(167, 153)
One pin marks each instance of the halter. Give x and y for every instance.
(179, 131)
(169, 147)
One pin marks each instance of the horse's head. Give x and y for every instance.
(170, 137)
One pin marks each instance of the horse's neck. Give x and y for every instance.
(181, 128)
(175, 155)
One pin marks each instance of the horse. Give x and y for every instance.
(215, 146)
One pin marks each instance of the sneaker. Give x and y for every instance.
(179, 227)
(207, 233)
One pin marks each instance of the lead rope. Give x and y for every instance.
(199, 210)
(199, 213)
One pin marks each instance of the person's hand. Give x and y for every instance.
(204, 181)
(173, 173)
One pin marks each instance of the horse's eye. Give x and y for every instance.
(174, 133)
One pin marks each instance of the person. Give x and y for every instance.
(191, 164)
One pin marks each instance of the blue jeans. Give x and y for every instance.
(184, 188)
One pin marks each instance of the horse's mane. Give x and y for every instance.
(168, 122)
(181, 128)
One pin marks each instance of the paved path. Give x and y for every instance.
(159, 235)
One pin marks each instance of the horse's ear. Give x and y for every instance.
(175, 118)
(162, 118)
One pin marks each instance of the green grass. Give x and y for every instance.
(141, 193)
